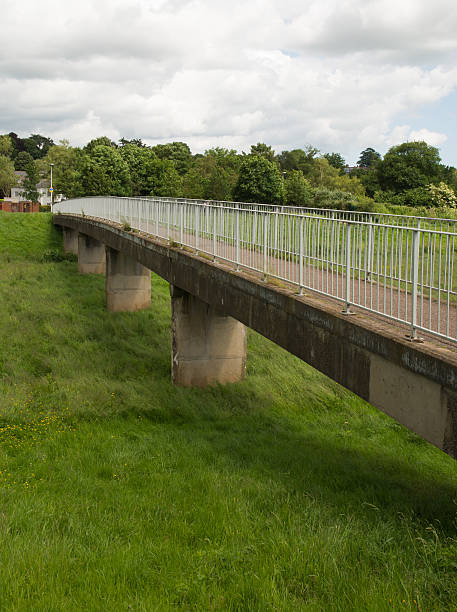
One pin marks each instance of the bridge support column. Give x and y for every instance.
(208, 347)
(91, 255)
(70, 240)
(128, 283)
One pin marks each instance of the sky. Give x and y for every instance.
(340, 75)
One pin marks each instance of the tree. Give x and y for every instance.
(6, 146)
(7, 177)
(409, 165)
(177, 152)
(322, 174)
(31, 180)
(103, 172)
(140, 162)
(263, 150)
(164, 179)
(65, 175)
(259, 180)
(336, 160)
(37, 145)
(369, 179)
(212, 177)
(101, 140)
(298, 159)
(134, 141)
(23, 159)
(17, 144)
(368, 158)
(297, 190)
(225, 158)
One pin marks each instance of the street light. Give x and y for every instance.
(51, 189)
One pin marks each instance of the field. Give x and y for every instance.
(121, 492)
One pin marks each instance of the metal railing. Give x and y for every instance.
(398, 267)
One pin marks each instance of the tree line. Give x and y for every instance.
(410, 174)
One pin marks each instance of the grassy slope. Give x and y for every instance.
(119, 491)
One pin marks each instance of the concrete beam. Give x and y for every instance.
(91, 255)
(70, 240)
(128, 283)
(208, 347)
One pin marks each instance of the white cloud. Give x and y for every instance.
(336, 74)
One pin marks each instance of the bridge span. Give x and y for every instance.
(213, 301)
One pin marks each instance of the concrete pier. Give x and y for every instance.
(208, 346)
(128, 283)
(70, 240)
(91, 255)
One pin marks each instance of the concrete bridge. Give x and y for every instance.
(213, 302)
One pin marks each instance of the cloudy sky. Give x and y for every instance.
(341, 75)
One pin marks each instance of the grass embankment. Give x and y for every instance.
(121, 492)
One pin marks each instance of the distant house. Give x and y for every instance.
(44, 197)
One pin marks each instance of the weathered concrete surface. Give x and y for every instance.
(208, 346)
(70, 240)
(414, 383)
(128, 283)
(91, 255)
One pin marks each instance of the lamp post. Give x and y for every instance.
(52, 191)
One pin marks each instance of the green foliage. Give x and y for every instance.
(37, 145)
(22, 160)
(369, 179)
(322, 175)
(298, 159)
(336, 160)
(140, 161)
(442, 196)
(30, 182)
(103, 171)
(65, 175)
(164, 179)
(176, 152)
(409, 166)
(263, 150)
(100, 141)
(6, 146)
(259, 180)
(323, 197)
(212, 176)
(368, 158)
(7, 177)
(297, 190)
(57, 255)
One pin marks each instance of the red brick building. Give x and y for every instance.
(24, 207)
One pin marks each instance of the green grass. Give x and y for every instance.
(121, 492)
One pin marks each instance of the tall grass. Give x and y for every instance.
(121, 492)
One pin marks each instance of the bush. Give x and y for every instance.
(56, 256)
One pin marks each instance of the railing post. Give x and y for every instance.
(168, 221)
(369, 255)
(237, 221)
(301, 262)
(214, 232)
(157, 212)
(415, 278)
(181, 223)
(347, 308)
(265, 242)
(276, 231)
(197, 225)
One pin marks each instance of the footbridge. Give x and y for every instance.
(369, 300)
